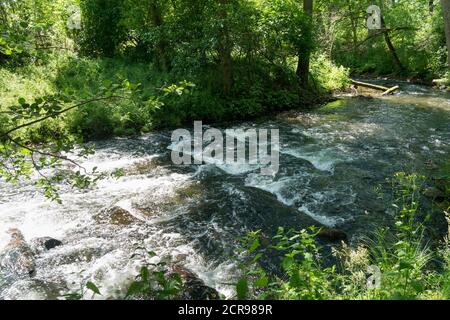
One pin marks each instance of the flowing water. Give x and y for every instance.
(333, 163)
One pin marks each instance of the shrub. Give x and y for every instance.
(327, 75)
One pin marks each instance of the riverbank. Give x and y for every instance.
(441, 84)
(84, 78)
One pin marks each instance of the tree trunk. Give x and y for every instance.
(354, 19)
(157, 20)
(390, 46)
(225, 49)
(446, 11)
(304, 56)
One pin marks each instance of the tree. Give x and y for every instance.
(102, 31)
(156, 15)
(446, 11)
(225, 48)
(390, 45)
(304, 55)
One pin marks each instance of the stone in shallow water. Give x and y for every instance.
(41, 244)
(116, 215)
(32, 289)
(17, 260)
(333, 234)
(143, 167)
(193, 287)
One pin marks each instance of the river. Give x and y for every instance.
(334, 162)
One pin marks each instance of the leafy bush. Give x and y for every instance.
(327, 75)
(156, 284)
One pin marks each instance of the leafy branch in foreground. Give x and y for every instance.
(21, 157)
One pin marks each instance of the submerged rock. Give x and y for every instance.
(17, 260)
(434, 194)
(117, 215)
(39, 245)
(193, 287)
(332, 234)
(32, 289)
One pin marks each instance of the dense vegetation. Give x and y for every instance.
(72, 71)
(244, 57)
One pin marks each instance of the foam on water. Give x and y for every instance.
(324, 159)
(98, 253)
(296, 191)
(328, 221)
(282, 188)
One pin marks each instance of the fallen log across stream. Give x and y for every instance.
(386, 90)
(390, 90)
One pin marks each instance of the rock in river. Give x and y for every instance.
(115, 215)
(193, 287)
(17, 260)
(122, 213)
(434, 194)
(332, 234)
(39, 245)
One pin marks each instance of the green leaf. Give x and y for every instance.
(135, 288)
(242, 289)
(92, 287)
(405, 265)
(262, 282)
(257, 257)
(25, 152)
(144, 274)
(107, 83)
(73, 296)
(254, 245)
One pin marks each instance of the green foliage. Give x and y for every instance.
(285, 29)
(249, 45)
(307, 280)
(403, 262)
(89, 287)
(21, 157)
(303, 277)
(102, 31)
(330, 76)
(29, 27)
(415, 30)
(399, 254)
(156, 284)
(156, 43)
